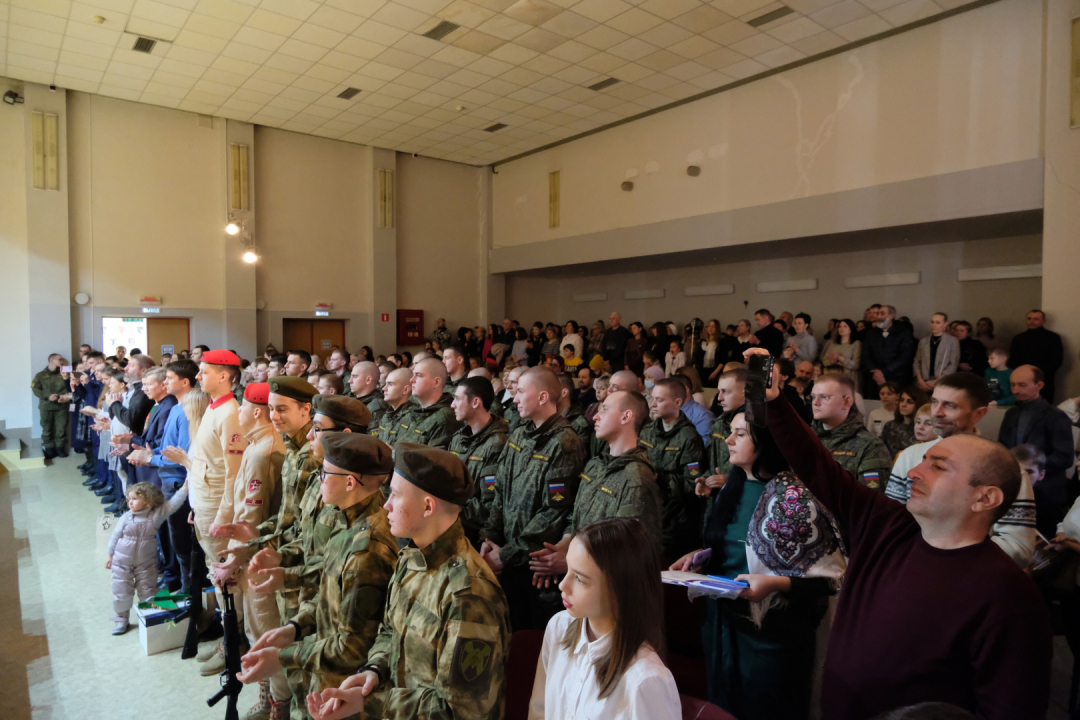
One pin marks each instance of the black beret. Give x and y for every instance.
(358, 453)
(342, 409)
(434, 471)
(292, 387)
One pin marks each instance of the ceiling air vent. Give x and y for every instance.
(441, 30)
(144, 45)
(770, 16)
(496, 127)
(603, 84)
(349, 93)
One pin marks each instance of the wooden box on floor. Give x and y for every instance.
(159, 631)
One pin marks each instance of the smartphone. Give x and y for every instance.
(701, 557)
(65, 369)
(758, 380)
(761, 366)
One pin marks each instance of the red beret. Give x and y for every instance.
(258, 393)
(221, 357)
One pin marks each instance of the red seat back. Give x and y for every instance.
(695, 709)
(525, 647)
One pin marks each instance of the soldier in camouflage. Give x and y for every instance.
(51, 389)
(495, 408)
(441, 650)
(731, 394)
(396, 393)
(456, 362)
(619, 483)
(621, 381)
(432, 419)
(535, 486)
(479, 444)
(510, 411)
(364, 386)
(573, 412)
(678, 454)
(332, 633)
(842, 431)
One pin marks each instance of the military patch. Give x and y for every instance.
(606, 490)
(472, 661)
(694, 468)
(718, 436)
(586, 477)
(671, 448)
(235, 438)
(557, 497)
(515, 446)
(872, 479)
(489, 482)
(843, 453)
(556, 488)
(455, 453)
(542, 458)
(253, 501)
(254, 485)
(476, 458)
(648, 445)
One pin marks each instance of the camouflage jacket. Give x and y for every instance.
(716, 449)
(535, 486)
(451, 385)
(302, 558)
(441, 649)
(618, 486)
(678, 456)
(497, 408)
(480, 453)
(858, 451)
(47, 383)
(390, 422)
(339, 625)
(433, 425)
(376, 404)
(575, 415)
(511, 415)
(296, 474)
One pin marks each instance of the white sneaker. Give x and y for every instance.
(120, 627)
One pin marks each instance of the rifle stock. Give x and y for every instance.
(230, 685)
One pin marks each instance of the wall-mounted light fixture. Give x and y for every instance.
(238, 227)
(11, 97)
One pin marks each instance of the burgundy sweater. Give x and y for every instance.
(915, 623)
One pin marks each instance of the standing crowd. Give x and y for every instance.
(387, 522)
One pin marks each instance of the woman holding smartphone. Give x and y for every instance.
(767, 530)
(601, 656)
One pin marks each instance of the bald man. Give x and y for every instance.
(621, 381)
(535, 484)
(433, 422)
(510, 411)
(364, 386)
(397, 393)
(613, 346)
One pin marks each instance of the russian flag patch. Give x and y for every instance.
(693, 465)
(556, 488)
(872, 479)
(489, 481)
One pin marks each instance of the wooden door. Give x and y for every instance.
(296, 335)
(315, 336)
(165, 332)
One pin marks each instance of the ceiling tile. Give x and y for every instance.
(756, 44)
(159, 13)
(199, 41)
(360, 48)
(258, 38)
(730, 32)
(37, 20)
(634, 21)
(466, 14)
(18, 47)
(712, 80)
(631, 72)
(504, 27)
(862, 28)
(533, 12)
(539, 40)
(569, 24)
(741, 8)
(514, 53)
(317, 35)
(602, 62)
(694, 47)
(399, 16)
(273, 22)
(661, 60)
(248, 53)
(479, 42)
(601, 10)
(879, 5)
(795, 30)
(820, 43)
(573, 51)
(632, 49)
(840, 14)
(910, 11)
(86, 48)
(602, 37)
(669, 9)
(665, 35)
(224, 10)
(299, 9)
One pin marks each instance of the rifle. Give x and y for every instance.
(230, 685)
(195, 604)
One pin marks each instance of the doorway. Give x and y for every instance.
(167, 335)
(314, 336)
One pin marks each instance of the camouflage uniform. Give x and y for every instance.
(716, 449)
(376, 405)
(618, 486)
(511, 415)
(535, 486)
(433, 425)
(340, 623)
(575, 415)
(53, 415)
(497, 409)
(302, 557)
(452, 384)
(858, 451)
(480, 453)
(441, 650)
(678, 455)
(390, 422)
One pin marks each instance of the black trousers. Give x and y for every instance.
(178, 565)
(530, 608)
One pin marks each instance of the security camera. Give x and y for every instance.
(52, 88)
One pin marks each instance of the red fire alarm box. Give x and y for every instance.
(410, 327)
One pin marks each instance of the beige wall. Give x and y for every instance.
(548, 296)
(439, 240)
(15, 401)
(951, 96)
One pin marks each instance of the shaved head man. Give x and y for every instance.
(396, 394)
(433, 421)
(364, 386)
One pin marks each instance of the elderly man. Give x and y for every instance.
(888, 351)
(613, 346)
(894, 642)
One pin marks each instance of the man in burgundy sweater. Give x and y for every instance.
(930, 609)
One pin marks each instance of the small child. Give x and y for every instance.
(600, 385)
(997, 378)
(133, 548)
(1031, 459)
(889, 393)
(570, 360)
(924, 425)
(675, 359)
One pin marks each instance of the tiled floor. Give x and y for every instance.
(57, 658)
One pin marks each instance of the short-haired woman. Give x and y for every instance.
(601, 656)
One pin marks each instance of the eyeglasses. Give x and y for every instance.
(323, 474)
(821, 398)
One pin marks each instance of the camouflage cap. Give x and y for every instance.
(358, 452)
(292, 387)
(436, 472)
(342, 409)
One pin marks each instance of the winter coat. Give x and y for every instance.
(133, 542)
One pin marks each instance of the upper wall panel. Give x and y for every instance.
(956, 95)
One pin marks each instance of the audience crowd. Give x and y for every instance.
(387, 521)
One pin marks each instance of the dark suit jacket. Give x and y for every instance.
(891, 355)
(134, 415)
(1050, 431)
(155, 428)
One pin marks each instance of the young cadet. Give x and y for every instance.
(432, 422)
(441, 649)
(478, 444)
(731, 394)
(842, 430)
(333, 632)
(397, 392)
(364, 386)
(510, 411)
(535, 486)
(572, 411)
(456, 362)
(495, 408)
(619, 483)
(678, 454)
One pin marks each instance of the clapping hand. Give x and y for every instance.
(490, 552)
(344, 701)
(274, 580)
(547, 564)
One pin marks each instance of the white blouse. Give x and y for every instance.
(565, 687)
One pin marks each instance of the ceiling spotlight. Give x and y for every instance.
(11, 97)
(250, 257)
(232, 228)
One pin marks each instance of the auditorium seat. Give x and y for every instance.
(525, 647)
(695, 709)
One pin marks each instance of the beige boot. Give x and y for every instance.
(215, 664)
(207, 651)
(261, 709)
(279, 709)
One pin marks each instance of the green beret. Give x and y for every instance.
(436, 472)
(342, 409)
(358, 453)
(292, 387)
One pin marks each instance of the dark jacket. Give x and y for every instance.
(1041, 348)
(613, 347)
(155, 427)
(973, 353)
(892, 355)
(135, 414)
(771, 339)
(1048, 429)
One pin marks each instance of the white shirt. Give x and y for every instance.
(875, 421)
(565, 687)
(577, 341)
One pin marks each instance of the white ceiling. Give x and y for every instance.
(526, 63)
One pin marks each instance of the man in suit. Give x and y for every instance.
(888, 351)
(1034, 421)
(938, 354)
(1039, 347)
(139, 406)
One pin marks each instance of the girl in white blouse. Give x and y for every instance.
(600, 655)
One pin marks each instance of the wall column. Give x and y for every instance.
(239, 275)
(382, 279)
(1061, 209)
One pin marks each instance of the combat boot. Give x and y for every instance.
(279, 709)
(215, 664)
(207, 651)
(261, 709)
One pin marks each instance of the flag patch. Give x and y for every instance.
(556, 488)
(489, 481)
